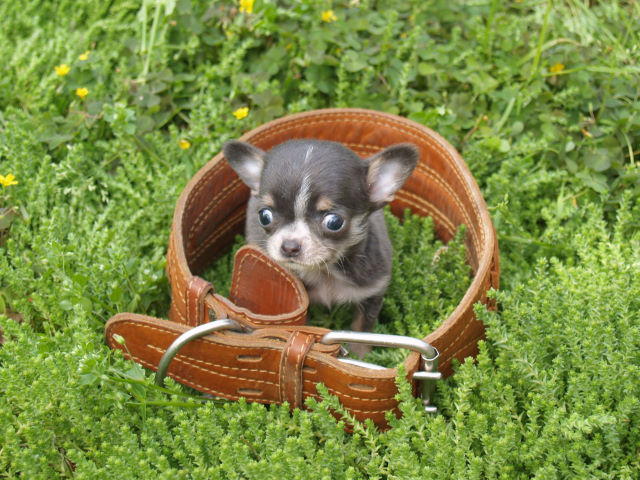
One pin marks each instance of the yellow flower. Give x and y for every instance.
(82, 92)
(241, 113)
(62, 69)
(328, 16)
(246, 6)
(184, 144)
(8, 180)
(84, 56)
(557, 68)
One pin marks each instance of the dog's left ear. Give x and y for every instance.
(388, 170)
(247, 161)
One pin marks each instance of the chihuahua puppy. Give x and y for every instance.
(316, 209)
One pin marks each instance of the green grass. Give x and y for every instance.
(540, 97)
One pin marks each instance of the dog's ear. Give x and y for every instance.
(247, 161)
(388, 170)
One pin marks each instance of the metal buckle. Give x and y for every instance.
(188, 336)
(428, 353)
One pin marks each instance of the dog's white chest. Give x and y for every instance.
(330, 288)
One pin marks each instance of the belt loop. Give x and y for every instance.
(197, 290)
(293, 355)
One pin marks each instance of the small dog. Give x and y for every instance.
(316, 208)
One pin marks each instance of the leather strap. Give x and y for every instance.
(233, 365)
(285, 354)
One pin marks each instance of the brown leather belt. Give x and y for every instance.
(265, 353)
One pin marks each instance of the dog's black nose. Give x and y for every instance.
(290, 248)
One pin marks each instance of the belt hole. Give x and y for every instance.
(359, 387)
(249, 358)
(273, 337)
(310, 370)
(250, 392)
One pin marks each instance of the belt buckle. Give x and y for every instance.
(428, 373)
(190, 335)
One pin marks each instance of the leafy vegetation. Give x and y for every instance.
(540, 97)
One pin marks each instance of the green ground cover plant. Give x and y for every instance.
(108, 108)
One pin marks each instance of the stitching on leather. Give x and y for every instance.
(138, 324)
(362, 146)
(201, 314)
(273, 323)
(193, 359)
(203, 388)
(175, 290)
(376, 120)
(352, 410)
(437, 179)
(229, 224)
(172, 259)
(353, 397)
(283, 369)
(181, 315)
(298, 368)
(217, 198)
(252, 320)
(231, 396)
(263, 261)
(190, 320)
(253, 380)
(165, 331)
(419, 202)
(204, 181)
(460, 334)
(151, 366)
(190, 298)
(192, 194)
(470, 342)
(221, 196)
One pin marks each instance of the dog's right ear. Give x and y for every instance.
(247, 161)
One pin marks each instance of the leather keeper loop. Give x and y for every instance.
(291, 364)
(196, 291)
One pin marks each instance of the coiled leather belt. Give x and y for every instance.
(255, 344)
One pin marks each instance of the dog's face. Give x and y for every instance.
(311, 199)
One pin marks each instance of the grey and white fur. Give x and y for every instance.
(316, 208)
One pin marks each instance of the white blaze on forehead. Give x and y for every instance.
(307, 155)
(302, 198)
(303, 194)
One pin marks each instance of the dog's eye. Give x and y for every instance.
(332, 222)
(265, 216)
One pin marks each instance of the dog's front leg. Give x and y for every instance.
(364, 319)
